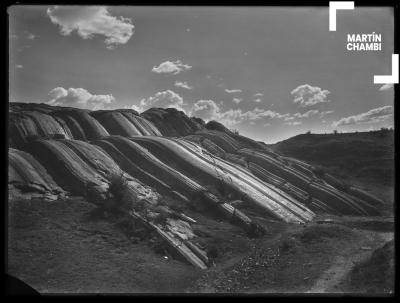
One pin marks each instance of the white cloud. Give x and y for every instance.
(293, 123)
(30, 36)
(307, 95)
(170, 67)
(232, 91)
(19, 66)
(78, 97)
(289, 118)
(209, 110)
(258, 95)
(164, 99)
(92, 20)
(307, 114)
(183, 84)
(386, 86)
(258, 100)
(206, 109)
(323, 114)
(372, 116)
(237, 100)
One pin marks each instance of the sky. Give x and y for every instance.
(268, 72)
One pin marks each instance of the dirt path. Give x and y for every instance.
(344, 263)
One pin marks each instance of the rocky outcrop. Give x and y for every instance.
(163, 154)
(27, 177)
(125, 123)
(173, 155)
(172, 122)
(233, 181)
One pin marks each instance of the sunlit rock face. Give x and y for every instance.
(172, 122)
(27, 123)
(27, 177)
(126, 123)
(162, 152)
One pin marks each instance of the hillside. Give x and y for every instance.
(362, 158)
(170, 195)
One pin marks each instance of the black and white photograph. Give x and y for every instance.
(177, 149)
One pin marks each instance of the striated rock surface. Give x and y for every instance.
(171, 122)
(163, 155)
(165, 151)
(26, 176)
(125, 123)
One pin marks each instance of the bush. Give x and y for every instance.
(118, 189)
(288, 245)
(161, 218)
(212, 252)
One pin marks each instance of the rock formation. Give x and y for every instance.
(56, 151)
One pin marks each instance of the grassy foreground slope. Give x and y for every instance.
(365, 159)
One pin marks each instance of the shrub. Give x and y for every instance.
(288, 245)
(212, 252)
(161, 218)
(177, 207)
(118, 189)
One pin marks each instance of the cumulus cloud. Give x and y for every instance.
(372, 116)
(19, 66)
(258, 95)
(307, 114)
(323, 114)
(237, 100)
(171, 67)
(258, 100)
(293, 123)
(183, 84)
(307, 95)
(164, 99)
(206, 109)
(232, 91)
(78, 97)
(386, 86)
(209, 110)
(88, 21)
(289, 118)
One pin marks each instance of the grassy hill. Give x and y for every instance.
(362, 158)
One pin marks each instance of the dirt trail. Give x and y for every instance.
(343, 264)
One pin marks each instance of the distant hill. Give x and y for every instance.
(367, 157)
